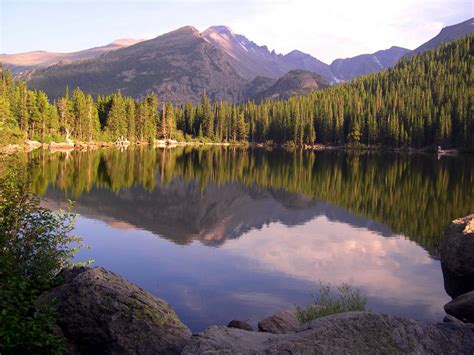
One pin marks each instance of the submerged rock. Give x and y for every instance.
(280, 323)
(239, 324)
(100, 312)
(457, 256)
(462, 307)
(345, 333)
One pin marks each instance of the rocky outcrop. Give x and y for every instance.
(280, 323)
(345, 333)
(240, 325)
(457, 256)
(100, 312)
(462, 307)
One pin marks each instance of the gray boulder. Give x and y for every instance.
(462, 307)
(239, 324)
(457, 256)
(280, 323)
(345, 333)
(100, 312)
(451, 319)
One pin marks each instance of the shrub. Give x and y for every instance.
(179, 136)
(35, 244)
(347, 299)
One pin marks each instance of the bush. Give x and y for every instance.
(347, 299)
(10, 135)
(35, 244)
(179, 136)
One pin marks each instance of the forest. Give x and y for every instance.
(423, 101)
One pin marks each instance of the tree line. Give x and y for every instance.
(423, 101)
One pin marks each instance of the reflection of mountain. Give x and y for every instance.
(416, 196)
(182, 212)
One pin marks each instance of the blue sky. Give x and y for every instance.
(325, 29)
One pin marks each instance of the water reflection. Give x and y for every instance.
(278, 223)
(197, 189)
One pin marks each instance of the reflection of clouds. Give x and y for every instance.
(253, 298)
(386, 268)
(192, 300)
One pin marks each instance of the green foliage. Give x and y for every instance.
(347, 299)
(35, 244)
(423, 101)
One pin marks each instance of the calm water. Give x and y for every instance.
(224, 233)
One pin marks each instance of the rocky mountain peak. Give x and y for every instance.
(219, 29)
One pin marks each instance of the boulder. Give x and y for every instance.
(280, 323)
(100, 312)
(53, 146)
(344, 333)
(32, 145)
(450, 319)
(239, 324)
(462, 307)
(457, 256)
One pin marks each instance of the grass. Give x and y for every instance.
(346, 299)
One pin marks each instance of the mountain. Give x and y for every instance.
(299, 60)
(349, 68)
(41, 59)
(178, 66)
(294, 83)
(251, 60)
(447, 34)
(346, 69)
(181, 64)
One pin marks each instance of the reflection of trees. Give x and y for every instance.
(417, 196)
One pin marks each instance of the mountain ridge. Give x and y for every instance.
(447, 34)
(178, 66)
(181, 64)
(18, 62)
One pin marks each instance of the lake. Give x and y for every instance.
(226, 233)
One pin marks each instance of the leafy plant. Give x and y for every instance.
(35, 244)
(347, 299)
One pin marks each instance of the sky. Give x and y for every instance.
(327, 29)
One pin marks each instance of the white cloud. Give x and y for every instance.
(341, 28)
(325, 29)
(320, 250)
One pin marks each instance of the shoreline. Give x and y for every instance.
(29, 146)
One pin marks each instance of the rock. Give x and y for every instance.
(462, 307)
(450, 319)
(457, 256)
(100, 312)
(53, 146)
(345, 333)
(280, 323)
(240, 325)
(10, 149)
(32, 145)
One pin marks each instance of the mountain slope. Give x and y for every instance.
(299, 60)
(41, 59)
(447, 34)
(293, 83)
(178, 66)
(349, 68)
(251, 60)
